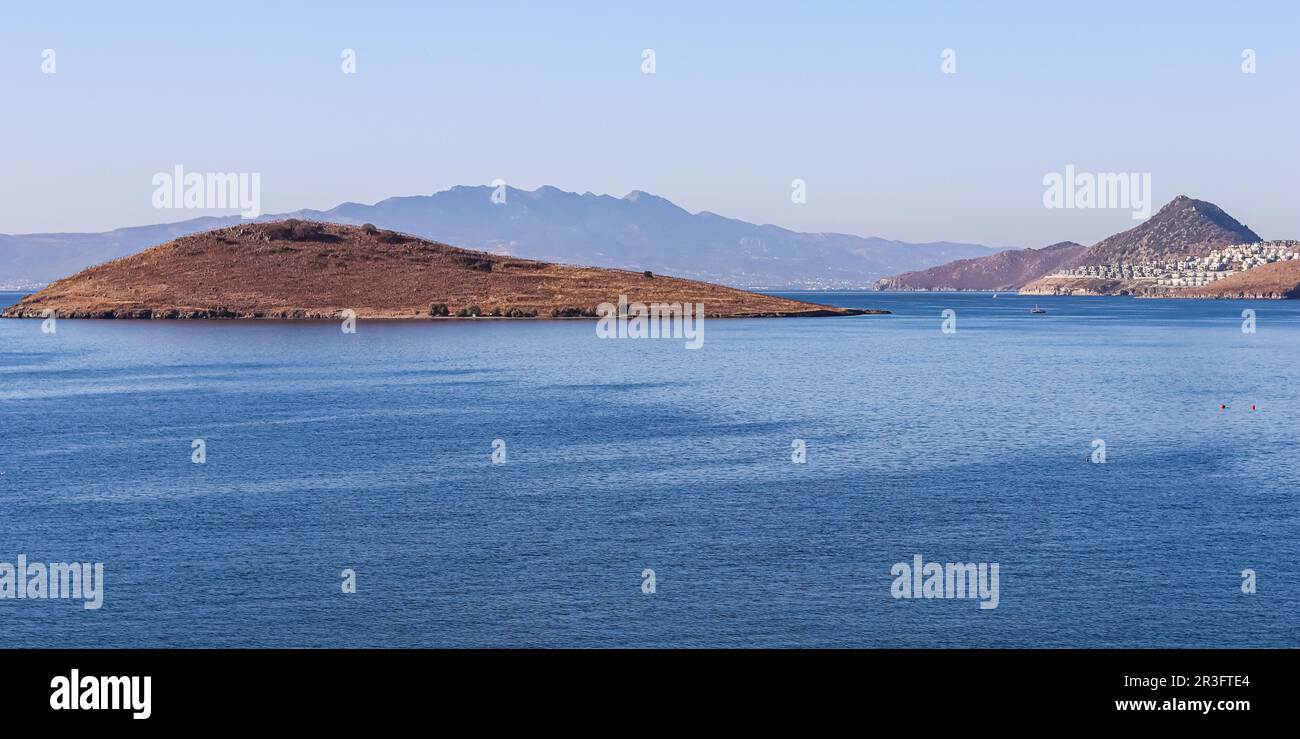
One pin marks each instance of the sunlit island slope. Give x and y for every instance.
(309, 270)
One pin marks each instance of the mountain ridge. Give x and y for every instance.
(1184, 227)
(639, 231)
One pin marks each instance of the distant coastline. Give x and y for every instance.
(22, 286)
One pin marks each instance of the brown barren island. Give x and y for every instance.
(308, 270)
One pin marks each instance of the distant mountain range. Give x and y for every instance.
(1184, 229)
(637, 232)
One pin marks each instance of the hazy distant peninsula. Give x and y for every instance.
(1006, 270)
(308, 270)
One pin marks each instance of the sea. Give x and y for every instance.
(1128, 466)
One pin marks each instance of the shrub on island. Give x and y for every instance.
(571, 312)
(294, 230)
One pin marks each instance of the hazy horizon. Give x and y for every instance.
(743, 100)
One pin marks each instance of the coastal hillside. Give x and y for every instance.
(1186, 244)
(1280, 280)
(1178, 239)
(302, 269)
(1006, 270)
(1185, 227)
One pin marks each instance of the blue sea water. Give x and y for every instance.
(373, 452)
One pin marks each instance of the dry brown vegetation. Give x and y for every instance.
(1277, 280)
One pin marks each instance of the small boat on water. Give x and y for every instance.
(1036, 310)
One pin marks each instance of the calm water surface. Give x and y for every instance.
(372, 451)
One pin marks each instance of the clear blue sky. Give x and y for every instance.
(747, 96)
